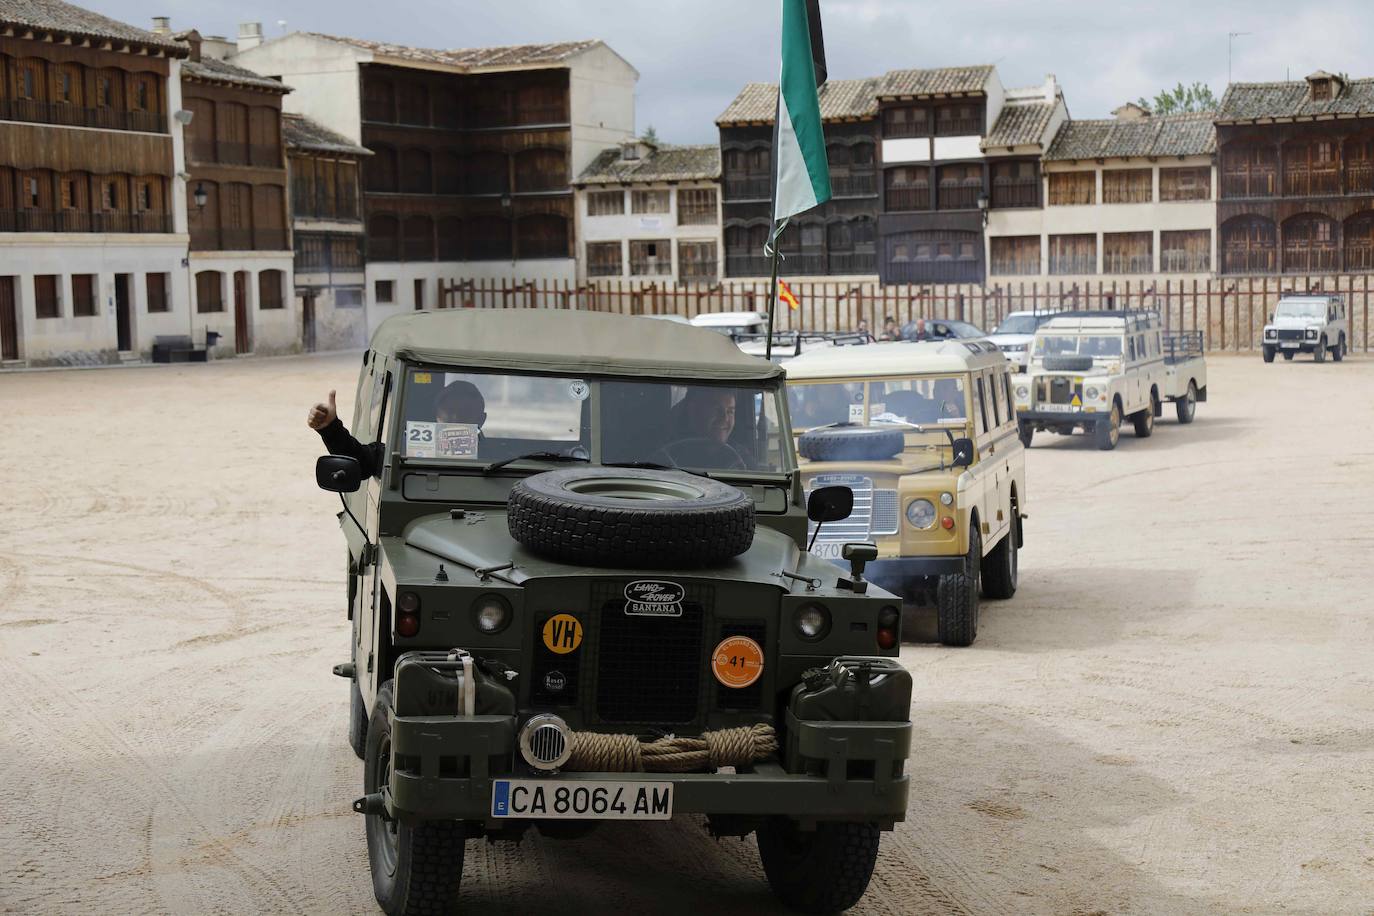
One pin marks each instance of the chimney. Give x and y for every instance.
(1130, 112)
(162, 25)
(250, 36)
(1051, 88)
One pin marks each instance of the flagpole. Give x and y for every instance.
(772, 295)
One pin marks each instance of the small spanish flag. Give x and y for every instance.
(785, 294)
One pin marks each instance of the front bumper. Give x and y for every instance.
(450, 763)
(902, 575)
(1061, 417)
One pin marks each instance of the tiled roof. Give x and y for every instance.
(218, 71)
(1020, 125)
(938, 81)
(839, 99)
(1159, 135)
(73, 20)
(666, 163)
(1253, 101)
(510, 56)
(299, 132)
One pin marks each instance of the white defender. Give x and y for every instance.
(1091, 370)
(1316, 324)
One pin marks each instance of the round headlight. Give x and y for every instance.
(1311, 332)
(946, 499)
(920, 513)
(1091, 394)
(1022, 392)
(491, 613)
(408, 602)
(1271, 332)
(812, 621)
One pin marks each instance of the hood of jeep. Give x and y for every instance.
(481, 540)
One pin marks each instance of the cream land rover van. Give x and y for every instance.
(925, 435)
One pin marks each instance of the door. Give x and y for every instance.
(124, 319)
(308, 321)
(9, 321)
(243, 338)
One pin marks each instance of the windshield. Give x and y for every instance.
(1299, 308)
(1018, 324)
(927, 399)
(1065, 345)
(488, 417)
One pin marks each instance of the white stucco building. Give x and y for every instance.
(650, 212)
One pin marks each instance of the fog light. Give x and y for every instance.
(491, 613)
(947, 523)
(946, 499)
(408, 603)
(812, 621)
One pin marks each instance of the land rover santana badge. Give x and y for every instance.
(651, 598)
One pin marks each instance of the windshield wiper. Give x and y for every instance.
(532, 456)
(652, 466)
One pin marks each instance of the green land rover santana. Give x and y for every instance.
(589, 598)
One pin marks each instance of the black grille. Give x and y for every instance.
(743, 698)
(649, 668)
(553, 670)
(1290, 333)
(1061, 389)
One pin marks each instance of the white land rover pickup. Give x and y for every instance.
(1091, 370)
(1316, 324)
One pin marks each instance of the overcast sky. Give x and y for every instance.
(694, 55)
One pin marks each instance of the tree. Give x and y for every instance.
(650, 135)
(1181, 99)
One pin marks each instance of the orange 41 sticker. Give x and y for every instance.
(737, 661)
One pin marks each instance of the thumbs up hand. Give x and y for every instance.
(321, 415)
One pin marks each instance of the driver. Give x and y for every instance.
(459, 402)
(949, 397)
(702, 422)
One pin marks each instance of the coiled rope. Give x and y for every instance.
(728, 747)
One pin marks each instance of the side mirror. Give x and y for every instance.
(338, 473)
(829, 504)
(1271, 317)
(963, 453)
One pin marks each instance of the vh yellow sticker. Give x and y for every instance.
(422, 378)
(1076, 402)
(562, 634)
(737, 661)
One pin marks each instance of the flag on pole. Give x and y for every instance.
(786, 295)
(801, 177)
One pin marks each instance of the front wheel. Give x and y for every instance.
(416, 869)
(1186, 406)
(956, 597)
(1319, 354)
(1108, 432)
(1338, 351)
(1026, 432)
(819, 871)
(357, 720)
(1268, 354)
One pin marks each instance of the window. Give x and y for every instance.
(141, 94)
(1073, 254)
(157, 293)
(696, 260)
(649, 202)
(605, 203)
(982, 406)
(651, 258)
(1072, 188)
(64, 87)
(28, 80)
(104, 91)
(46, 300)
(960, 186)
(958, 120)
(384, 291)
(908, 188)
(269, 289)
(906, 122)
(603, 259)
(348, 296)
(1249, 170)
(1127, 252)
(1185, 184)
(70, 195)
(83, 295)
(32, 196)
(696, 207)
(1249, 244)
(1127, 186)
(1015, 184)
(143, 195)
(999, 407)
(1188, 252)
(110, 198)
(209, 291)
(1017, 255)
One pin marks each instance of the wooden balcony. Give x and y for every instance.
(958, 197)
(907, 198)
(852, 262)
(1250, 184)
(1298, 259)
(1302, 182)
(1015, 193)
(26, 220)
(862, 184)
(37, 112)
(751, 187)
(1249, 260)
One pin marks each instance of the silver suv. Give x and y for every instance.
(1316, 324)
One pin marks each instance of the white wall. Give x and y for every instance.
(602, 101)
(323, 75)
(404, 275)
(271, 331)
(627, 227)
(71, 340)
(997, 97)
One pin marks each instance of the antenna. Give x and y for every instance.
(1230, 40)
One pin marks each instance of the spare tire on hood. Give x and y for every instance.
(630, 517)
(851, 443)
(1068, 363)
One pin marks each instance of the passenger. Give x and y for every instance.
(459, 402)
(891, 331)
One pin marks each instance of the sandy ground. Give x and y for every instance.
(1175, 714)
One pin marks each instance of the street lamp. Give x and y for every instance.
(200, 196)
(983, 206)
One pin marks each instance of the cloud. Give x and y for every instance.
(694, 55)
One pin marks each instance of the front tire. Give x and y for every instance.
(1338, 351)
(357, 720)
(956, 597)
(1186, 406)
(1268, 354)
(1108, 432)
(820, 871)
(416, 870)
(1026, 432)
(1319, 354)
